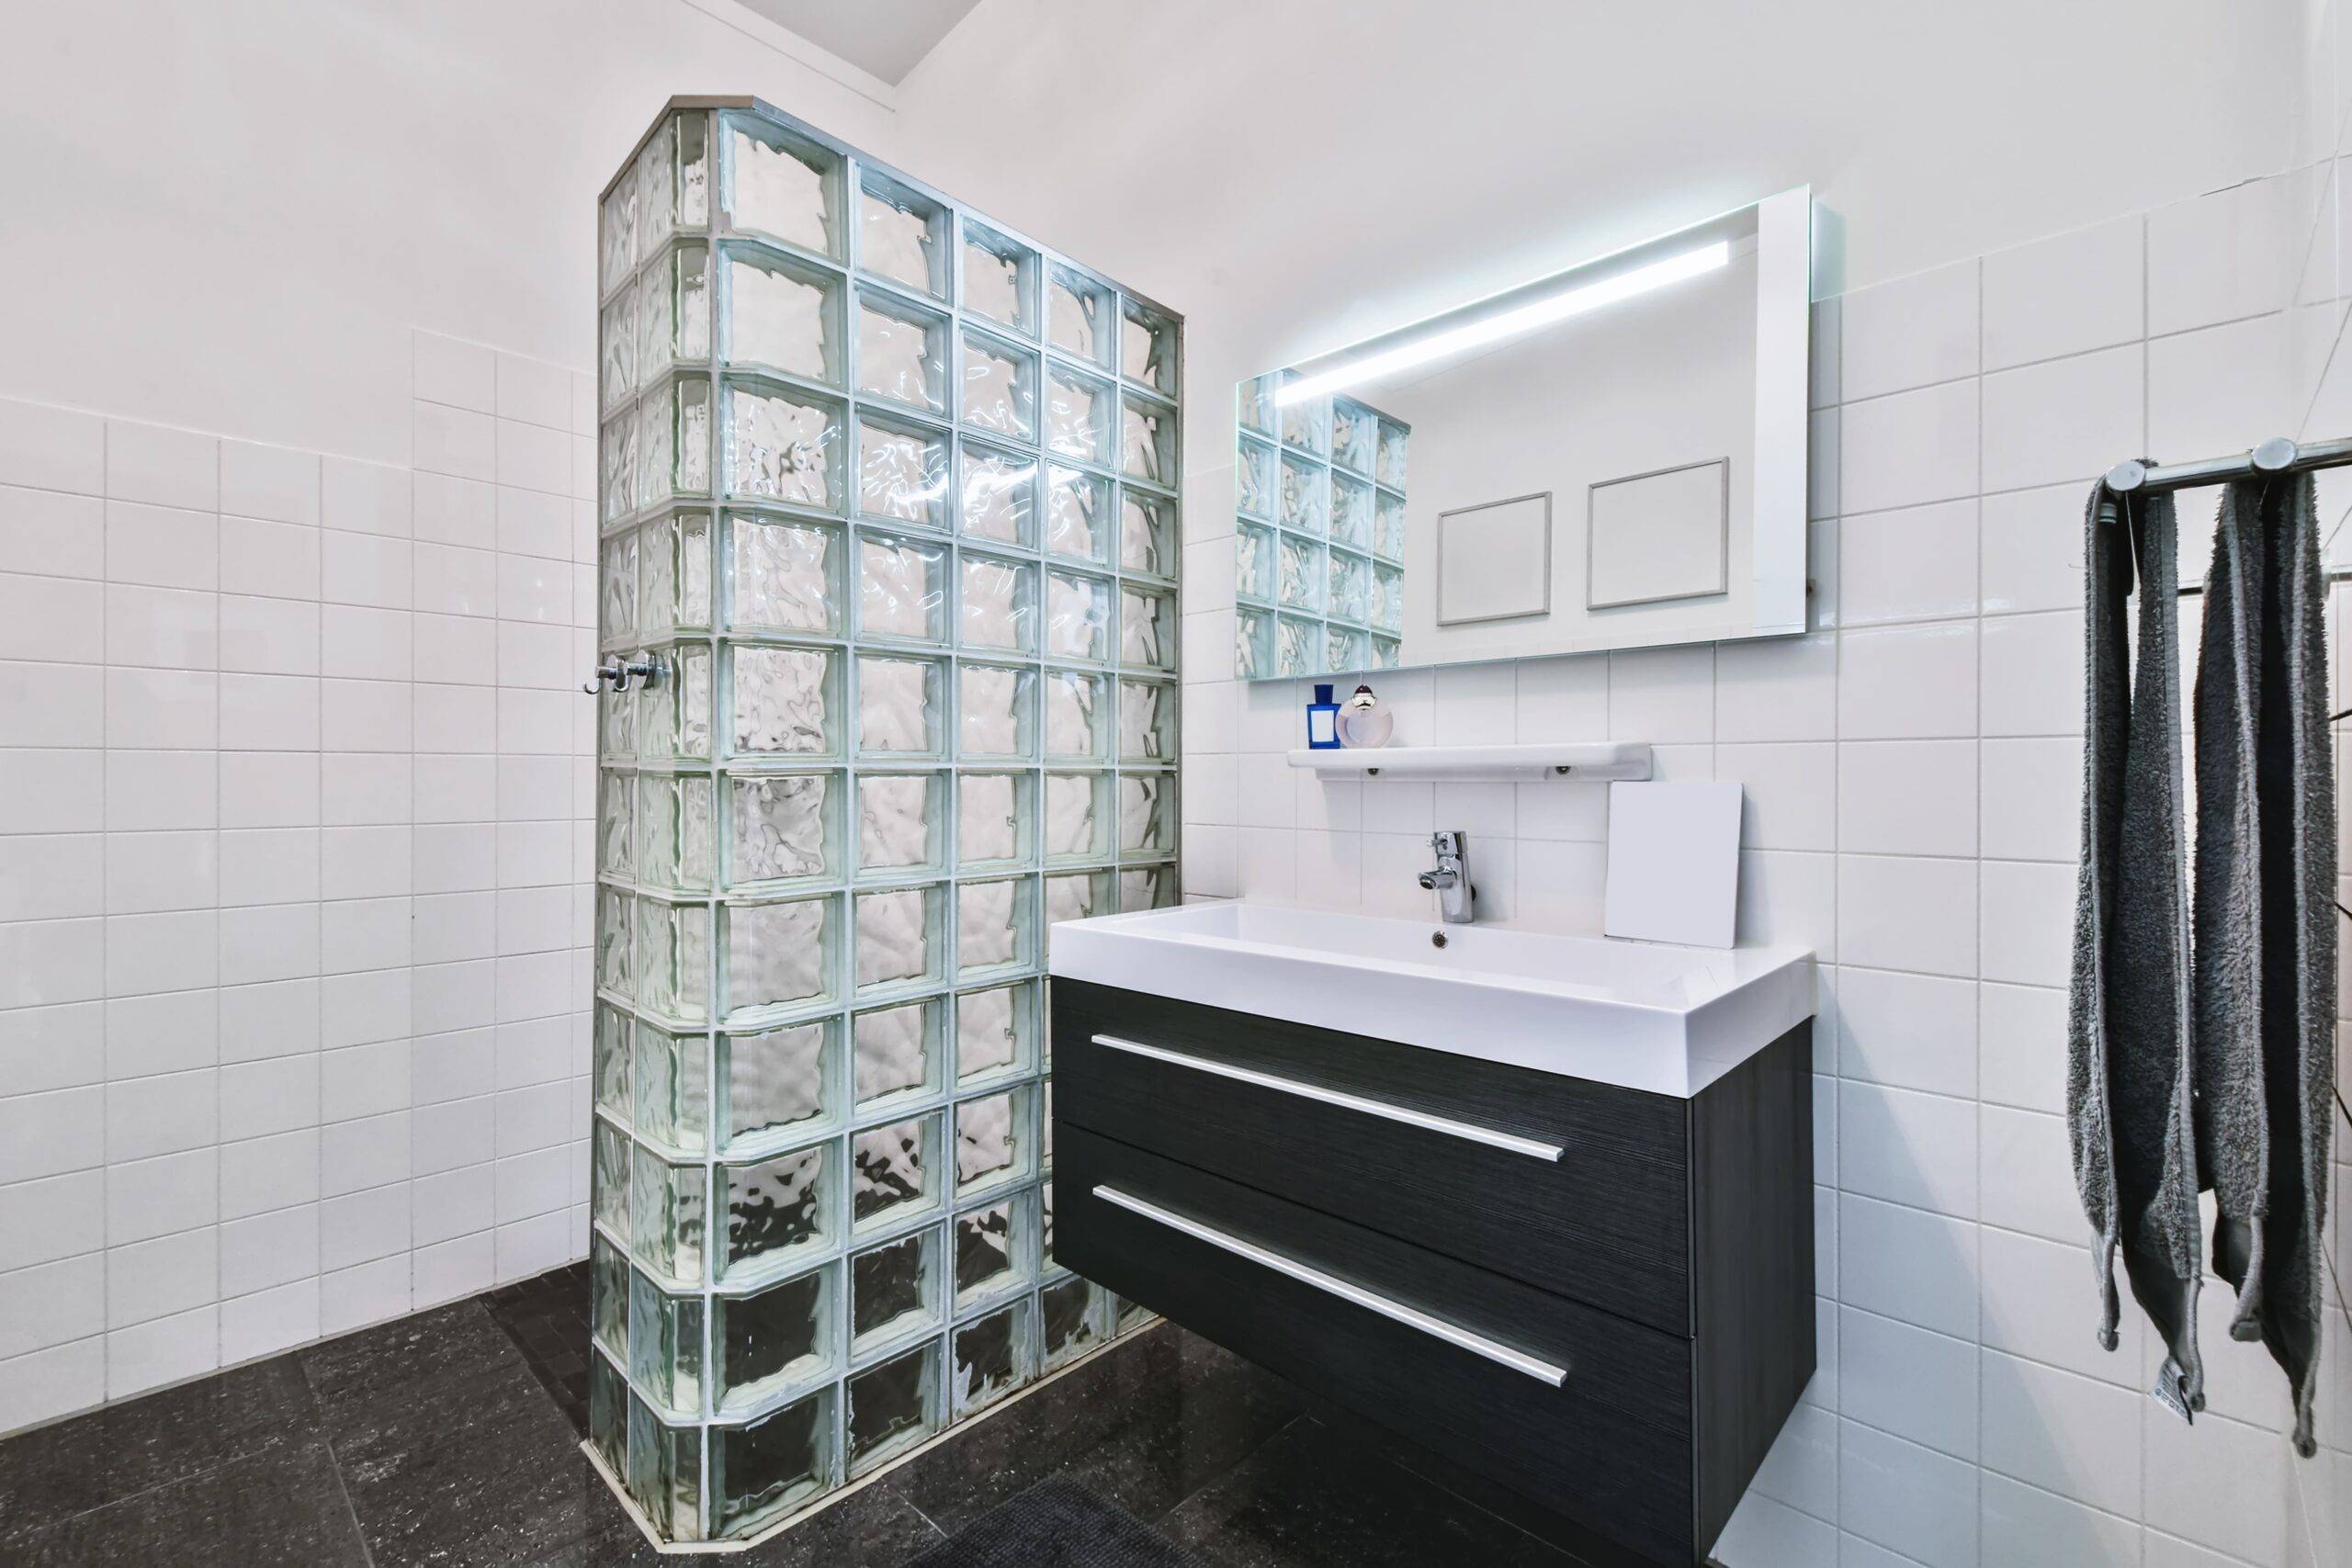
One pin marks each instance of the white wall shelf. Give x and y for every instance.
(1564, 760)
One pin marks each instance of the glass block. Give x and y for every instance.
(1076, 717)
(1387, 653)
(1305, 501)
(1388, 598)
(1305, 423)
(1253, 561)
(1254, 404)
(617, 350)
(993, 1356)
(1146, 814)
(901, 824)
(999, 496)
(1346, 649)
(1147, 887)
(995, 926)
(673, 1089)
(999, 278)
(608, 1414)
(1070, 1321)
(1147, 535)
(783, 446)
(991, 1251)
(616, 233)
(1255, 486)
(902, 590)
(991, 1141)
(673, 441)
(666, 1212)
(1301, 572)
(1349, 597)
(1078, 816)
(781, 953)
(1147, 711)
(1078, 616)
(1079, 896)
(999, 386)
(609, 1046)
(896, 1171)
(677, 830)
(899, 1053)
(670, 316)
(901, 470)
(764, 1470)
(1078, 314)
(1388, 527)
(778, 1208)
(996, 1032)
(774, 1081)
(785, 700)
(900, 937)
(997, 608)
(1148, 629)
(616, 467)
(1253, 645)
(1148, 441)
(784, 827)
(610, 1179)
(779, 1337)
(902, 352)
(665, 1473)
(655, 175)
(995, 820)
(665, 1347)
(1147, 346)
(893, 1290)
(608, 1277)
(1080, 416)
(617, 591)
(902, 706)
(996, 712)
(1389, 465)
(693, 172)
(772, 181)
(903, 234)
(673, 574)
(673, 957)
(1355, 432)
(1352, 512)
(782, 315)
(1078, 514)
(1046, 1195)
(615, 794)
(787, 575)
(893, 1407)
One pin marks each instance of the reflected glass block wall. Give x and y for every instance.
(1319, 533)
(889, 499)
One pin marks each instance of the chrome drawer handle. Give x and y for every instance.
(1394, 1310)
(1531, 1147)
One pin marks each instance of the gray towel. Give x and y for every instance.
(2127, 1076)
(2265, 919)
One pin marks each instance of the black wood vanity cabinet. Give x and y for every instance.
(1597, 1299)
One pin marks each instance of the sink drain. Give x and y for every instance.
(1437, 939)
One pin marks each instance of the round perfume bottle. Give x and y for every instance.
(1364, 720)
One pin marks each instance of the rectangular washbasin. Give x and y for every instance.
(1640, 1015)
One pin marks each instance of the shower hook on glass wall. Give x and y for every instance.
(647, 670)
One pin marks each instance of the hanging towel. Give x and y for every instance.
(2128, 1073)
(2265, 919)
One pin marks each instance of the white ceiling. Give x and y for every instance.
(884, 36)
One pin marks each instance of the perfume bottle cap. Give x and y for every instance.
(1323, 692)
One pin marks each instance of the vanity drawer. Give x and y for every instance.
(1583, 1412)
(1576, 1188)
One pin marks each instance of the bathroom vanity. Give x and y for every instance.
(1540, 1205)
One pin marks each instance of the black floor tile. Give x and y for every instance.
(547, 1318)
(108, 1455)
(281, 1507)
(1312, 1499)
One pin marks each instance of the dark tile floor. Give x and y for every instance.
(452, 1437)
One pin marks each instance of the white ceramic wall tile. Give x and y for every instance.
(1908, 682)
(1905, 1497)
(2222, 256)
(2067, 294)
(1914, 564)
(1908, 448)
(1909, 332)
(2211, 391)
(1918, 1384)
(2033, 1529)
(1908, 797)
(2063, 419)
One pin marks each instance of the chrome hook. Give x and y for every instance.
(646, 671)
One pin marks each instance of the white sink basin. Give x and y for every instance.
(1642, 1015)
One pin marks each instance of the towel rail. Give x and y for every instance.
(2275, 456)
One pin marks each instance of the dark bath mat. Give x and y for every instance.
(1057, 1524)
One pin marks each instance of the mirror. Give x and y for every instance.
(1610, 456)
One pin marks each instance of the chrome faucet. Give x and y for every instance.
(1450, 880)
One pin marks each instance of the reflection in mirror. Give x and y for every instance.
(1610, 456)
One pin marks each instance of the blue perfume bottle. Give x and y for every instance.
(1323, 720)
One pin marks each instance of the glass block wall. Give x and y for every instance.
(889, 500)
(1320, 538)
